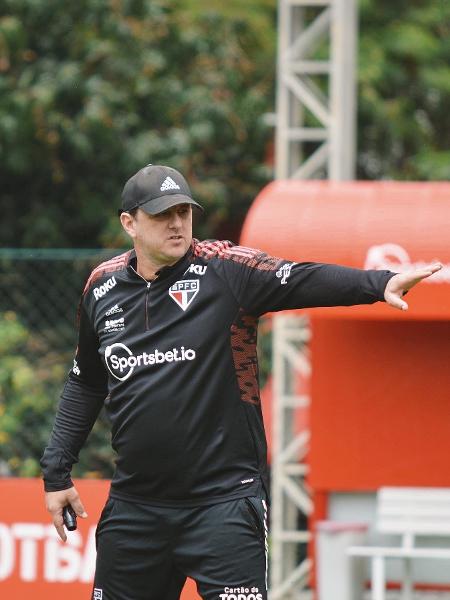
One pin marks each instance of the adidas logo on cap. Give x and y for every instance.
(169, 184)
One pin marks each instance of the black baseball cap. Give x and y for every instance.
(156, 188)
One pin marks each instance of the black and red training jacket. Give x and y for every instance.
(174, 362)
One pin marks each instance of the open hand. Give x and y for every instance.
(402, 282)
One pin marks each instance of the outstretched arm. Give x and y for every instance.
(402, 282)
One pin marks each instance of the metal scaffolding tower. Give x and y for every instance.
(315, 118)
(315, 138)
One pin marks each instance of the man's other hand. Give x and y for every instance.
(56, 501)
(402, 282)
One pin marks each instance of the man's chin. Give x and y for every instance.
(174, 254)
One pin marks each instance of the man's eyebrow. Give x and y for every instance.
(176, 207)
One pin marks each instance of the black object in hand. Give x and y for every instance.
(69, 518)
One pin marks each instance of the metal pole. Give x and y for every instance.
(315, 138)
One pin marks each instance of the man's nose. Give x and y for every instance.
(175, 220)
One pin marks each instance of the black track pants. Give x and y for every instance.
(146, 552)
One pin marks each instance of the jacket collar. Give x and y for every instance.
(180, 266)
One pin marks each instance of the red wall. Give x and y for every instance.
(34, 564)
(380, 412)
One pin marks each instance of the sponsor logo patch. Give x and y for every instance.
(76, 368)
(101, 290)
(284, 272)
(197, 269)
(98, 594)
(121, 362)
(114, 324)
(240, 593)
(169, 184)
(183, 292)
(113, 310)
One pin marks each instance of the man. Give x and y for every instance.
(167, 341)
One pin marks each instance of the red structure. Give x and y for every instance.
(380, 385)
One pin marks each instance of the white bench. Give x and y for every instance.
(410, 513)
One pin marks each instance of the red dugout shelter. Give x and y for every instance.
(380, 385)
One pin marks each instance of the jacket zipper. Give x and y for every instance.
(147, 294)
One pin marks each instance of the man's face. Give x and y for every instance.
(162, 238)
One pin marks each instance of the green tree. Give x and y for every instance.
(31, 378)
(404, 90)
(93, 90)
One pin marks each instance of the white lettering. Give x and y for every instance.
(121, 362)
(6, 552)
(28, 534)
(240, 593)
(197, 269)
(188, 285)
(113, 310)
(100, 291)
(232, 596)
(114, 322)
(61, 562)
(39, 544)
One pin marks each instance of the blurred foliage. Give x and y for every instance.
(31, 378)
(404, 90)
(91, 91)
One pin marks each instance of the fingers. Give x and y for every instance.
(78, 507)
(436, 267)
(55, 503)
(59, 526)
(396, 301)
(75, 501)
(402, 282)
(420, 274)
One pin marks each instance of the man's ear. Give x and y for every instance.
(128, 223)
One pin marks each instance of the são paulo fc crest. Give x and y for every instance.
(183, 292)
